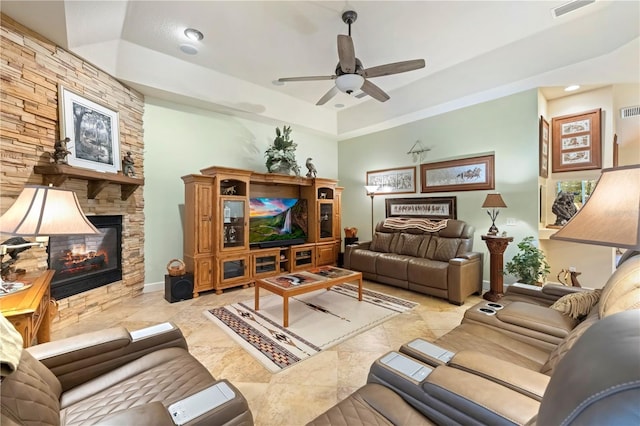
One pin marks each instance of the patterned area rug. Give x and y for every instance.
(317, 321)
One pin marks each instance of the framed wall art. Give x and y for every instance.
(426, 207)
(394, 181)
(465, 174)
(544, 147)
(93, 132)
(576, 142)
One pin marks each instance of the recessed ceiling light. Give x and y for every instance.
(188, 49)
(339, 105)
(571, 88)
(193, 34)
(277, 83)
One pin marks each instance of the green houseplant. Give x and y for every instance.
(529, 265)
(281, 156)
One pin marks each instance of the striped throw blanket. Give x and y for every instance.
(426, 225)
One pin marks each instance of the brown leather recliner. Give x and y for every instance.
(109, 377)
(596, 383)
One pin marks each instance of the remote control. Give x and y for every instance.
(199, 403)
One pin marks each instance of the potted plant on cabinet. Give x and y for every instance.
(281, 156)
(529, 265)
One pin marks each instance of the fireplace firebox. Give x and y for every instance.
(85, 262)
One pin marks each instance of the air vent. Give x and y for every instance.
(570, 7)
(627, 112)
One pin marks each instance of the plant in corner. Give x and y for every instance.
(281, 156)
(529, 265)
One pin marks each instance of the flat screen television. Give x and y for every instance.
(277, 221)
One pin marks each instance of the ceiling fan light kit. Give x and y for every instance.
(350, 75)
(348, 83)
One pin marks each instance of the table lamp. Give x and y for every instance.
(611, 215)
(42, 211)
(371, 192)
(493, 201)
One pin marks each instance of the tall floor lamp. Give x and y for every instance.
(371, 192)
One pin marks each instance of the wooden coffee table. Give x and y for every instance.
(296, 283)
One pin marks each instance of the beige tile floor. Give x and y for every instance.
(299, 393)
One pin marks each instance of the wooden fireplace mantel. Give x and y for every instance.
(57, 174)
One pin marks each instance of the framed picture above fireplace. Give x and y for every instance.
(93, 132)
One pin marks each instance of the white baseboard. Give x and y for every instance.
(151, 287)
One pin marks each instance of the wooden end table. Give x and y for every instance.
(281, 286)
(496, 245)
(28, 309)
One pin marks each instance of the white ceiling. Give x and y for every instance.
(474, 50)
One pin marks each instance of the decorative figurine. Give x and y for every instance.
(563, 207)
(127, 165)
(230, 190)
(60, 151)
(312, 172)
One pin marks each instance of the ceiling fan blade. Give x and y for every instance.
(394, 68)
(361, 95)
(310, 78)
(346, 54)
(330, 94)
(374, 91)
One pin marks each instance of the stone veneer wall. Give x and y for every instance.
(31, 70)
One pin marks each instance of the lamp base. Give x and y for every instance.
(493, 230)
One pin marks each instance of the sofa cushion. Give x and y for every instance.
(567, 343)
(427, 272)
(382, 242)
(445, 249)
(167, 375)
(409, 244)
(364, 261)
(577, 305)
(392, 265)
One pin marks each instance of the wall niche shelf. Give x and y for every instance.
(57, 174)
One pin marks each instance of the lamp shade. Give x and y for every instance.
(349, 83)
(493, 201)
(45, 211)
(371, 189)
(611, 215)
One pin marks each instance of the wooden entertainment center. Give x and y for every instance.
(216, 229)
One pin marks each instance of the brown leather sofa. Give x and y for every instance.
(111, 377)
(479, 373)
(440, 264)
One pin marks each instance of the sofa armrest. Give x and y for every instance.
(559, 290)
(468, 398)
(527, 382)
(364, 245)
(153, 413)
(537, 318)
(464, 277)
(80, 358)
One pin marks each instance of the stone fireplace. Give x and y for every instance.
(85, 262)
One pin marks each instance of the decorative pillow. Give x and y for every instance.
(381, 242)
(577, 305)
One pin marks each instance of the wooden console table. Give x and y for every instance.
(496, 245)
(28, 309)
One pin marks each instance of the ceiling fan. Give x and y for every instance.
(351, 75)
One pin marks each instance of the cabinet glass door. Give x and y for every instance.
(233, 268)
(326, 220)
(233, 220)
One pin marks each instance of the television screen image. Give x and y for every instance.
(277, 221)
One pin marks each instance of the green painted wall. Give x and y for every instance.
(181, 140)
(508, 127)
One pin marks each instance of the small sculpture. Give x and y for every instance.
(13, 253)
(127, 165)
(60, 151)
(312, 172)
(563, 207)
(230, 190)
